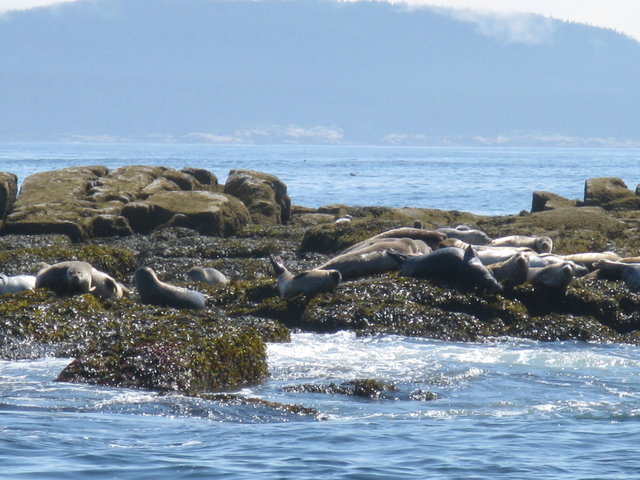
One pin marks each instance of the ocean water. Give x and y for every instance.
(504, 409)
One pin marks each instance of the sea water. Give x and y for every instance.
(504, 408)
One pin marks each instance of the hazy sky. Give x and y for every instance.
(620, 15)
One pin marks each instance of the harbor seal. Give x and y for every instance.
(66, 278)
(430, 237)
(450, 263)
(542, 244)
(207, 275)
(511, 272)
(556, 276)
(77, 277)
(309, 282)
(372, 257)
(629, 273)
(152, 291)
(589, 259)
(16, 283)
(466, 234)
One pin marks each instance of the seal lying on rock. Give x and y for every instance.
(450, 263)
(77, 277)
(627, 272)
(430, 237)
(16, 283)
(542, 244)
(66, 278)
(371, 257)
(466, 234)
(309, 282)
(207, 275)
(511, 272)
(152, 291)
(556, 276)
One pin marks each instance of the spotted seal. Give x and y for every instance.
(308, 282)
(152, 291)
(208, 275)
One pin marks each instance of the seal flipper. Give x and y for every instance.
(278, 266)
(399, 257)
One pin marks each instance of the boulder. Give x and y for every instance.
(8, 192)
(549, 201)
(264, 195)
(604, 190)
(207, 212)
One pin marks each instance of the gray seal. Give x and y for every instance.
(66, 278)
(461, 266)
(207, 275)
(16, 283)
(152, 291)
(309, 282)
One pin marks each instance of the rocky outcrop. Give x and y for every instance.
(610, 193)
(264, 195)
(85, 202)
(206, 212)
(8, 193)
(548, 201)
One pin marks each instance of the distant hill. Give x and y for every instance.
(309, 71)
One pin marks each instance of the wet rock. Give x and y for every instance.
(264, 195)
(363, 388)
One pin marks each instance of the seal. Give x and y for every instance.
(207, 275)
(588, 259)
(542, 244)
(629, 273)
(66, 278)
(16, 283)
(511, 272)
(152, 291)
(430, 237)
(371, 257)
(466, 234)
(555, 276)
(309, 282)
(459, 265)
(105, 286)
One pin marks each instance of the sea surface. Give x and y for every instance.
(504, 408)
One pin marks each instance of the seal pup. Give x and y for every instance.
(450, 263)
(374, 258)
(152, 291)
(511, 272)
(66, 278)
(629, 273)
(466, 234)
(556, 276)
(308, 282)
(542, 244)
(208, 275)
(16, 283)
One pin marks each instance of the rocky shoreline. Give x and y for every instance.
(174, 220)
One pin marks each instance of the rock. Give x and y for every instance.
(604, 190)
(264, 195)
(548, 201)
(82, 202)
(8, 193)
(207, 212)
